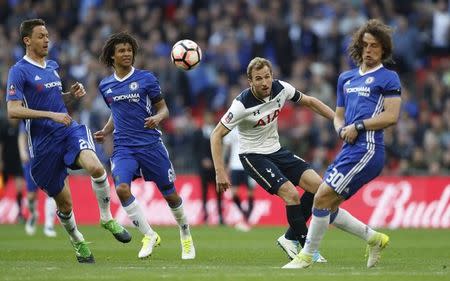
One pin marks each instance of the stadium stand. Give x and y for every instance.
(306, 40)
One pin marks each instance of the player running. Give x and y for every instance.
(56, 142)
(255, 114)
(368, 101)
(137, 107)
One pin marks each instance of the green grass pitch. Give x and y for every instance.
(222, 254)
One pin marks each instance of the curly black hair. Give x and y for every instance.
(110, 45)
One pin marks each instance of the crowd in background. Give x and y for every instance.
(306, 41)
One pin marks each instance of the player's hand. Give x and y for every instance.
(349, 133)
(77, 90)
(152, 122)
(62, 118)
(222, 182)
(99, 136)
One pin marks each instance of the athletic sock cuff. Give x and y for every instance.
(333, 216)
(321, 212)
(180, 205)
(128, 202)
(294, 208)
(64, 216)
(102, 178)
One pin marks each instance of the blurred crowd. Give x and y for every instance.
(306, 41)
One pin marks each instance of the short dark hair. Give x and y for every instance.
(257, 63)
(380, 31)
(110, 45)
(26, 27)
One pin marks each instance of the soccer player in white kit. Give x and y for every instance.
(255, 114)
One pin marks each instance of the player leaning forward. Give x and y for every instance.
(137, 107)
(55, 141)
(368, 101)
(255, 114)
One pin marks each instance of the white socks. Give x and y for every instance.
(345, 221)
(137, 217)
(178, 214)
(102, 192)
(50, 212)
(317, 228)
(68, 221)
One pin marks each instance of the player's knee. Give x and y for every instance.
(64, 205)
(291, 197)
(319, 201)
(324, 199)
(173, 200)
(123, 192)
(95, 171)
(289, 194)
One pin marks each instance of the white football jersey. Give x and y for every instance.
(257, 120)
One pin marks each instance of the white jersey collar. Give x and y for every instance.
(125, 77)
(33, 62)
(370, 71)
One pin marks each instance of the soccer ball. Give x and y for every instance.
(186, 54)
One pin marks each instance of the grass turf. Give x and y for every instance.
(222, 254)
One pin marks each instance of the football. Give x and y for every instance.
(186, 54)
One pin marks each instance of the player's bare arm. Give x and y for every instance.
(317, 106)
(17, 111)
(23, 147)
(99, 136)
(386, 118)
(222, 181)
(162, 112)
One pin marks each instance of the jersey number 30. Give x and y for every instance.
(335, 178)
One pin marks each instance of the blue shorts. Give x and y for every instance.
(353, 167)
(271, 171)
(31, 185)
(49, 164)
(151, 162)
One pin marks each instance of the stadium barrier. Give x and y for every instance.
(388, 202)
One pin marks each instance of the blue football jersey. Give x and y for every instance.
(38, 88)
(363, 95)
(130, 100)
